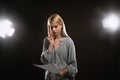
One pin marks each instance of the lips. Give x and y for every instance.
(54, 36)
(54, 33)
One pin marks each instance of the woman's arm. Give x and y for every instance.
(71, 69)
(46, 55)
(72, 62)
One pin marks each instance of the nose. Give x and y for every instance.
(54, 29)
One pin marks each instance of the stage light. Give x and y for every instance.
(6, 28)
(111, 22)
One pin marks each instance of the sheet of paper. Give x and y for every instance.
(49, 67)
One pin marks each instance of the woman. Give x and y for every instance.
(59, 49)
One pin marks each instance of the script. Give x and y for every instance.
(49, 67)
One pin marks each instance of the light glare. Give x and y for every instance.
(111, 23)
(11, 31)
(6, 28)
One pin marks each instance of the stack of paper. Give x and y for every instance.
(49, 67)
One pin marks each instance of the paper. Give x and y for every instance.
(49, 67)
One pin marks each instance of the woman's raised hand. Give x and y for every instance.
(51, 39)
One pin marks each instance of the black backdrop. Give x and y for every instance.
(97, 51)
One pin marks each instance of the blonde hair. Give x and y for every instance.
(55, 18)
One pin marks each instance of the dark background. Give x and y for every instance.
(97, 51)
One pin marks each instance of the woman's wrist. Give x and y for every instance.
(50, 48)
(51, 45)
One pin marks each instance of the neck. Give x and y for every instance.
(58, 37)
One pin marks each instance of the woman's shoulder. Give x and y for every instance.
(69, 40)
(45, 38)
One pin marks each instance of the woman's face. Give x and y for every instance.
(55, 29)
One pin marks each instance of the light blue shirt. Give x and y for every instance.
(64, 57)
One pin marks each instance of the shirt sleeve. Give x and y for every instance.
(46, 55)
(72, 62)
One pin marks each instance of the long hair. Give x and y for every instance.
(55, 18)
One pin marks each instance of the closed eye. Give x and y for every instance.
(55, 26)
